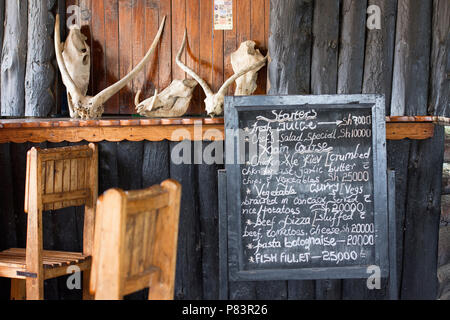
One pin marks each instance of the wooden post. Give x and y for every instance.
(379, 57)
(40, 74)
(14, 58)
(412, 58)
(290, 46)
(324, 81)
(351, 55)
(439, 102)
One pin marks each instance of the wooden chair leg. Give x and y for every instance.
(35, 288)
(86, 285)
(18, 289)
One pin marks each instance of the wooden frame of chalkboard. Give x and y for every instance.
(234, 108)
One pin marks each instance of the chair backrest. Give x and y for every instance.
(135, 244)
(59, 178)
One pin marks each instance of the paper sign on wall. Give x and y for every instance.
(223, 14)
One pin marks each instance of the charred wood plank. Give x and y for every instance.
(379, 56)
(188, 282)
(208, 206)
(324, 69)
(412, 58)
(439, 102)
(351, 52)
(290, 46)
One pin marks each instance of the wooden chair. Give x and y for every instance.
(55, 179)
(135, 244)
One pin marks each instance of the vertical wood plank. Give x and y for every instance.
(206, 175)
(324, 64)
(98, 75)
(151, 28)
(230, 45)
(291, 36)
(324, 68)
(178, 27)
(86, 29)
(139, 50)
(73, 178)
(243, 25)
(351, 55)
(165, 52)
(379, 56)
(439, 102)
(193, 50)
(112, 52)
(126, 51)
(206, 45)
(412, 58)
(35, 286)
(66, 180)
(189, 283)
(49, 182)
(58, 187)
(217, 56)
(258, 35)
(14, 57)
(40, 74)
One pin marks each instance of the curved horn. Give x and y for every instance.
(191, 72)
(137, 98)
(236, 76)
(112, 90)
(66, 78)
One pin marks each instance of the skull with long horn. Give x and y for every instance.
(214, 101)
(81, 105)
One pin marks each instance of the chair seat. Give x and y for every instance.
(55, 262)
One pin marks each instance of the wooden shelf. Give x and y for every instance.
(177, 129)
(110, 129)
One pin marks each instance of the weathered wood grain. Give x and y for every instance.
(412, 58)
(40, 75)
(188, 284)
(439, 101)
(206, 177)
(422, 216)
(290, 46)
(379, 53)
(14, 59)
(351, 47)
(324, 67)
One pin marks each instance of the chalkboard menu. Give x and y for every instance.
(306, 181)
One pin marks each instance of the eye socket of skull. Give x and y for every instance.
(78, 41)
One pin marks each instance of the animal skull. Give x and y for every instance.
(172, 102)
(77, 56)
(214, 101)
(246, 56)
(73, 65)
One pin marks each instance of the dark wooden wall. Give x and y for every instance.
(336, 54)
(121, 31)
